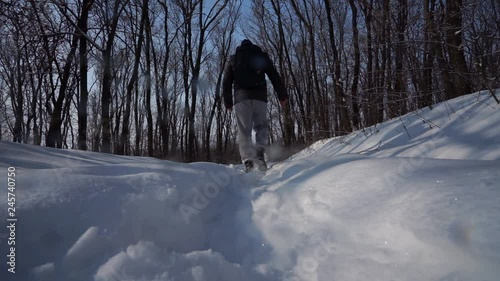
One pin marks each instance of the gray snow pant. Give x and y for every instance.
(251, 114)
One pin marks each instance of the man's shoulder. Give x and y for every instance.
(232, 60)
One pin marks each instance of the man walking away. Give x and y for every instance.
(246, 69)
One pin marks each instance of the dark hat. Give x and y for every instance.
(246, 42)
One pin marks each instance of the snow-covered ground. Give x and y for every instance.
(414, 198)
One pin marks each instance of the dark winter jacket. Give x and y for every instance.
(259, 93)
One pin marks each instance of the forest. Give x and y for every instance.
(143, 77)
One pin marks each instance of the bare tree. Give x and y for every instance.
(132, 83)
(193, 56)
(157, 66)
(54, 135)
(454, 33)
(83, 102)
(223, 42)
(343, 116)
(357, 66)
(149, 115)
(13, 63)
(111, 29)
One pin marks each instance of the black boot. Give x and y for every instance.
(261, 162)
(248, 166)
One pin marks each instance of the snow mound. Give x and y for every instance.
(145, 261)
(462, 128)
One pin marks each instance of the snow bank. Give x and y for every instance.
(80, 211)
(463, 128)
(341, 219)
(145, 261)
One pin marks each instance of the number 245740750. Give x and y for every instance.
(11, 187)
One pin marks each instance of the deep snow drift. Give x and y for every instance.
(414, 198)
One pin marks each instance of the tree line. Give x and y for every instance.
(143, 77)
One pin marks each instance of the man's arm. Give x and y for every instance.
(276, 80)
(227, 84)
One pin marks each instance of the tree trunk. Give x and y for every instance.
(149, 115)
(454, 31)
(399, 106)
(19, 101)
(340, 98)
(125, 134)
(107, 80)
(54, 135)
(357, 66)
(425, 96)
(369, 99)
(82, 105)
(138, 124)
(299, 98)
(320, 102)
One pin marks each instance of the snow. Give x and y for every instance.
(386, 203)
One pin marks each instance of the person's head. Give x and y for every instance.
(246, 42)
